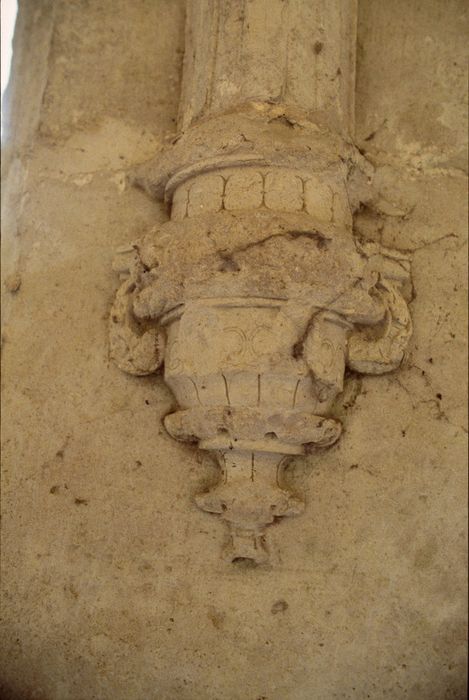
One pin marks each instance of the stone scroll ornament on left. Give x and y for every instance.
(255, 297)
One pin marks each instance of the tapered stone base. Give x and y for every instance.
(249, 497)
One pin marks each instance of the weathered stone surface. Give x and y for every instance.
(240, 51)
(253, 304)
(111, 576)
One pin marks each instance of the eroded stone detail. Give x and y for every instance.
(256, 295)
(257, 314)
(256, 188)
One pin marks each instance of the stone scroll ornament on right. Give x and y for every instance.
(255, 297)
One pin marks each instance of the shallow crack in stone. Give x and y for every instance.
(320, 239)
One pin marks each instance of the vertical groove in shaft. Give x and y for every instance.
(286, 51)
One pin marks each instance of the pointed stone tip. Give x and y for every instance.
(246, 547)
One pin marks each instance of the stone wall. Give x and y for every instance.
(113, 586)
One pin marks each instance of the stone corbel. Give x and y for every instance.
(256, 296)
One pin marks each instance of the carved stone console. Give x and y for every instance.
(255, 295)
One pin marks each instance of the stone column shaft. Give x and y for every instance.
(276, 51)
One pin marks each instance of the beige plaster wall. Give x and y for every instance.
(112, 582)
